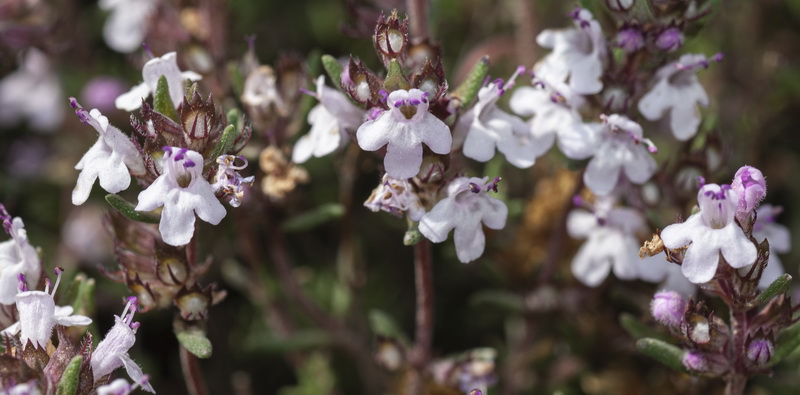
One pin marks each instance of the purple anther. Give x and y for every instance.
(399, 103)
(58, 270)
(81, 113)
(492, 186)
(384, 95)
(308, 92)
(701, 181)
(47, 283)
(188, 163)
(22, 285)
(135, 325)
(718, 57)
(577, 201)
(486, 80)
(181, 154)
(474, 188)
(132, 300)
(652, 149)
(374, 113)
(73, 103)
(6, 218)
(601, 221)
(522, 69)
(414, 102)
(167, 150)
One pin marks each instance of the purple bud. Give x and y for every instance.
(759, 351)
(695, 361)
(670, 39)
(750, 186)
(630, 40)
(668, 308)
(476, 392)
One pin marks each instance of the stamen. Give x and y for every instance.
(308, 92)
(492, 186)
(188, 163)
(513, 79)
(47, 285)
(73, 103)
(701, 181)
(577, 201)
(58, 270)
(384, 95)
(167, 150)
(414, 102)
(576, 15)
(6, 218)
(375, 113)
(147, 50)
(474, 188)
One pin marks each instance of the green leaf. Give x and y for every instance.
(195, 341)
(225, 142)
(788, 341)
(497, 298)
(233, 116)
(69, 380)
(236, 78)
(468, 89)
(128, 210)
(395, 79)
(779, 286)
(383, 324)
(83, 296)
(313, 218)
(663, 352)
(162, 102)
(637, 329)
(333, 68)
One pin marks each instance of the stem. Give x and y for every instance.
(421, 351)
(736, 381)
(418, 19)
(191, 373)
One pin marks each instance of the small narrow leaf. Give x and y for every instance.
(778, 287)
(333, 68)
(468, 89)
(195, 341)
(663, 352)
(788, 341)
(83, 298)
(225, 143)
(637, 329)
(128, 210)
(395, 79)
(70, 378)
(313, 218)
(162, 102)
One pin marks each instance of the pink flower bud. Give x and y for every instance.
(751, 187)
(759, 352)
(668, 308)
(669, 40)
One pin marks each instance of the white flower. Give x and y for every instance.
(109, 159)
(329, 119)
(708, 233)
(577, 53)
(677, 91)
(229, 181)
(183, 191)
(112, 352)
(487, 127)
(28, 388)
(261, 93)
(127, 25)
(403, 128)
(610, 242)
(38, 314)
(553, 106)
(167, 66)
(621, 147)
(467, 205)
(780, 241)
(17, 257)
(396, 196)
(33, 92)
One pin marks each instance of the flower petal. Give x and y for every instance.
(434, 133)
(640, 166)
(135, 373)
(736, 248)
(470, 242)
(371, 135)
(480, 142)
(154, 196)
(127, 25)
(602, 172)
(132, 100)
(588, 268)
(700, 262)
(177, 223)
(436, 224)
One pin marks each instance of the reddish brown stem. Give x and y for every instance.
(191, 373)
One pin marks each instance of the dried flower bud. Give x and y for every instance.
(668, 308)
(194, 302)
(389, 354)
(651, 248)
(281, 177)
(202, 126)
(362, 85)
(391, 37)
(431, 79)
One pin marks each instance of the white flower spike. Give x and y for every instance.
(112, 352)
(621, 149)
(38, 314)
(182, 191)
(167, 66)
(329, 120)
(677, 91)
(403, 129)
(467, 205)
(709, 233)
(17, 257)
(111, 159)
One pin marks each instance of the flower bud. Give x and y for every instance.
(630, 39)
(668, 308)
(670, 39)
(750, 186)
(759, 351)
(705, 363)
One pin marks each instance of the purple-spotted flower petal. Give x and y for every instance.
(182, 191)
(467, 206)
(403, 129)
